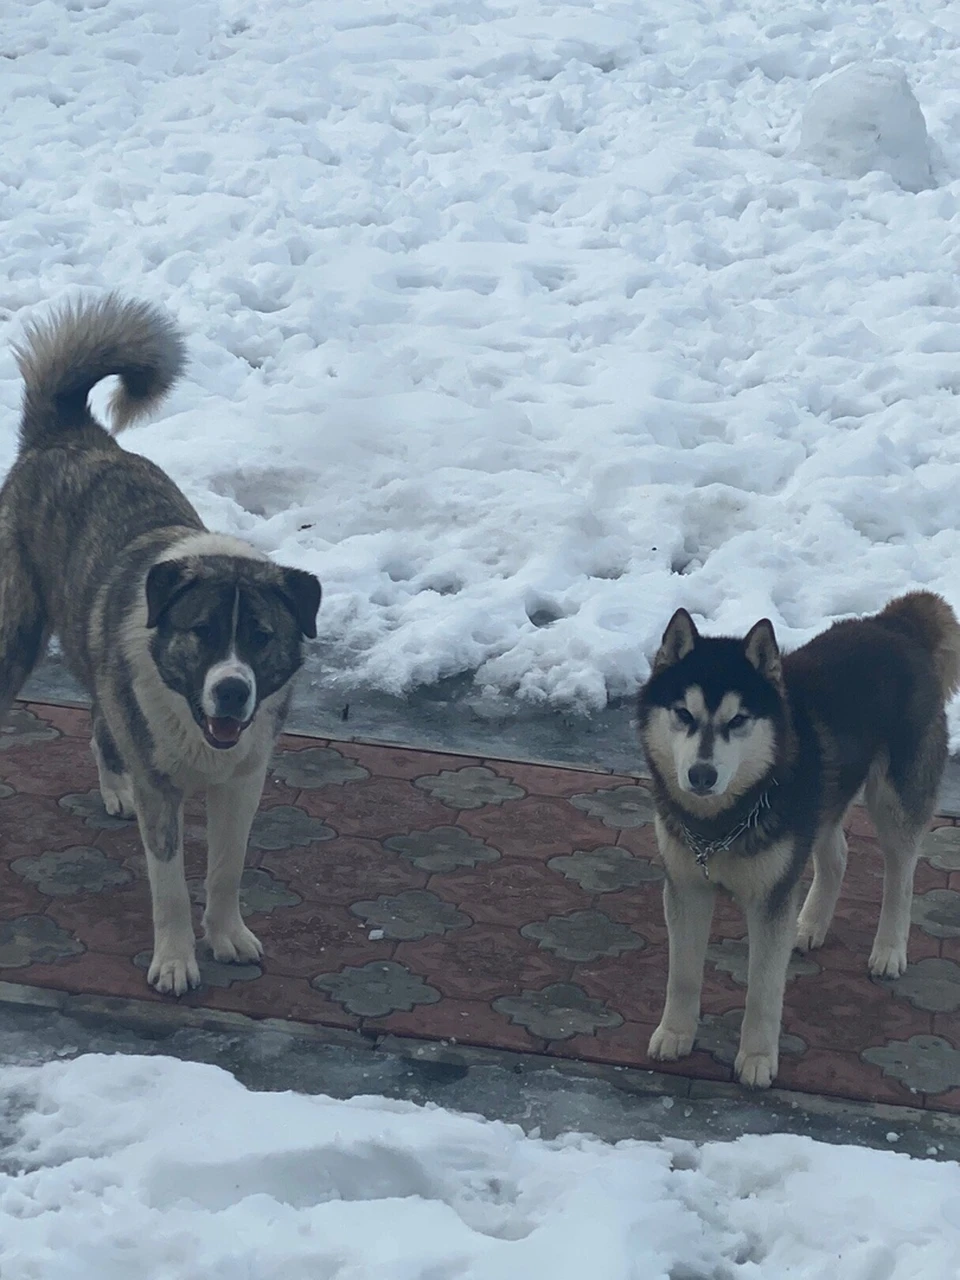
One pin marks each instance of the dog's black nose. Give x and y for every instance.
(231, 695)
(702, 776)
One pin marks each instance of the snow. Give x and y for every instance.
(150, 1167)
(521, 322)
(866, 118)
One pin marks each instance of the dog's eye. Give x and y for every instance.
(684, 716)
(260, 637)
(738, 721)
(205, 632)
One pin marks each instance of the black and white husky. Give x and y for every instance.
(186, 640)
(755, 759)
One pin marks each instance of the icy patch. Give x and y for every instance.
(866, 118)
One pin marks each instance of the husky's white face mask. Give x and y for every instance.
(706, 713)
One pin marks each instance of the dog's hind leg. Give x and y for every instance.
(901, 802)
(688, 907)
(173, 969)
(771, 938)
(23, 626)
(116, 787)
(829, 864)
(230, 812)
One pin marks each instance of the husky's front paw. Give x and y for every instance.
(667, 1045)
(756, 1070)
(173, 970)
(811, 933)
(232, 943)
(888, 961)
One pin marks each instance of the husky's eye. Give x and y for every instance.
(260, 637)
(738, 721)
(684, 716)
(205, 632)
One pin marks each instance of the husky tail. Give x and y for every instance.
(64, 357)
(930, 620)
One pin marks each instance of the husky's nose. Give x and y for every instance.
(232, 698)
(702, 777)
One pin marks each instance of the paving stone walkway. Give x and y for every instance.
(450, 898)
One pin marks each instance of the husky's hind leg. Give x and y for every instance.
(829, 864)
(116, 787)
(901, 795)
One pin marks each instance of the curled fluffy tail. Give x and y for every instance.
(929, 619)
(64, 357)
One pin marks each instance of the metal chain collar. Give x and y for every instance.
(705, 849)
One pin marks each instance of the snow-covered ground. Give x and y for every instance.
(521, 322)
(161, 1170)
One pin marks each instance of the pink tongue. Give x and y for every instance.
(224, 730)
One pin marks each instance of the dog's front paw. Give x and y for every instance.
(811, 933)
(118, 798)
(232, 943)
(756, 1070)
(667, 1045)
(173, 970)
(888, 961)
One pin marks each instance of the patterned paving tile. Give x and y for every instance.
(557, 1012)
(482, 901)
(607, 870)
(583, 935)
(442, 849)
(24, 726)
(34, 940)
(414, 914)
(473, 787)
(626, 806)
(376, 989)
(927, 1064)
(66, 872)
(938, 913)
(932, 984)
(88, 805)
(313, 767)
(731, 956)
(260, 892)
(284, 826)
(941, 847)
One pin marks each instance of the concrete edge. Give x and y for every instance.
(545, 1096)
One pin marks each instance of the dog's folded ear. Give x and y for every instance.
(763, 652)
(166, 582)
(678, 640)
(301, 593)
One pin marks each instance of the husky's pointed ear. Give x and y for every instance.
(762, 650)
(679, 638)
(301, 593)
(166, 581)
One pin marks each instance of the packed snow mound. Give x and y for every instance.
(865, 118)
(120, 1167)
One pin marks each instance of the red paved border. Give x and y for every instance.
(504, 905)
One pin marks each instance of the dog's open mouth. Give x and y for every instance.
(222, 732)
